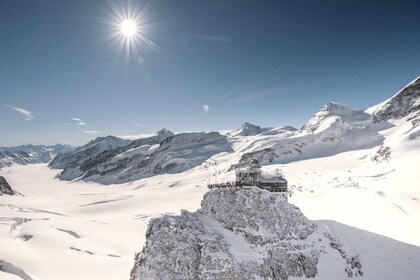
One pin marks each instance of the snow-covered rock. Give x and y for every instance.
(107, 165)
(5, 188)
(404, 104)
(247, 129)
(176, 154)
(90, 150)
(146, 157)
(253, 234)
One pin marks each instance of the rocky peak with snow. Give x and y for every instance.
(247, 129)
(404, 104)
(163, 134)
(240, 234)
(327, 115)
(5, 188)
(9, 158)
(178, 153)
(85, 152)
(146, 157)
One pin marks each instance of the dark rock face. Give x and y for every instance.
(5, 188)
(406, 103)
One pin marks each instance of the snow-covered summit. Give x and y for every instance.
(326, 116)
(163, 134)
(247, 129)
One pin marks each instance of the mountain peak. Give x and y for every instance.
(247, 129)
(326, 116)
(163, 134)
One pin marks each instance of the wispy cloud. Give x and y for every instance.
(25, 113)
(205, 108)
(78, 121)
(92, 132)
(138, 124)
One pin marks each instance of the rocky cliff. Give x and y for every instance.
(239, 234)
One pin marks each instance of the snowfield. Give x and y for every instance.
(77, 230)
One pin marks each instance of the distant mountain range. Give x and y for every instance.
(26, 154)
(334, 129)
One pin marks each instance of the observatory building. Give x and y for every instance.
(253, 176)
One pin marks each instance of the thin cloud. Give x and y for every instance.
(92, 132)
(78, 121)
(205, 108)
(138, 124)
(25, 113)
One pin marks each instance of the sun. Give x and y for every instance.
(128, 28)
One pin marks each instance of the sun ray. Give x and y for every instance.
(130, 29)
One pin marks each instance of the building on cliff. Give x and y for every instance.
(252, 175)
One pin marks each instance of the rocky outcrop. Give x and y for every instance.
(406, 103)
(5, 188)
(237, 234)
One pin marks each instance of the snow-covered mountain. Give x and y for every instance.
(41, 153)
(9, 158)
(107, 165)
(253, 234)
(334, 129)
(149, 156)
(247, 129)
(91, 149)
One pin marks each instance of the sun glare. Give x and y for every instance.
(131, 28)
(128, 28)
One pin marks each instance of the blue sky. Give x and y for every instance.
(272, 63)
